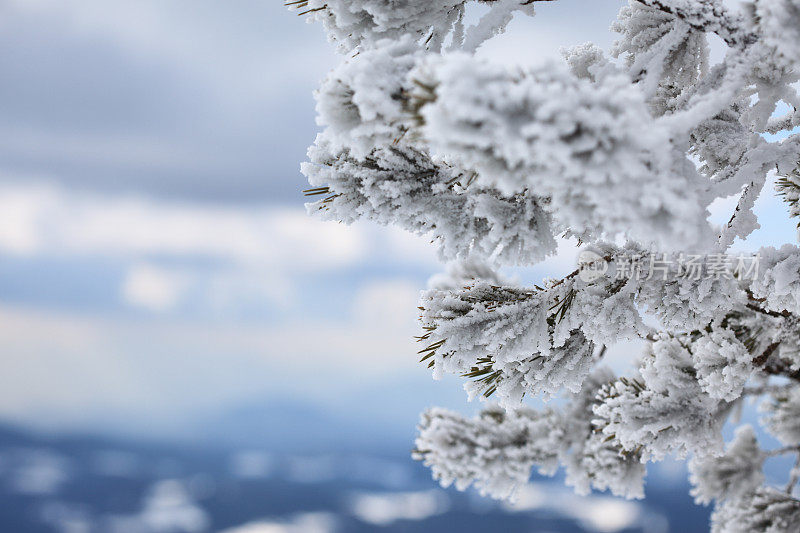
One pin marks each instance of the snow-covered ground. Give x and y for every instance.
(90, 485)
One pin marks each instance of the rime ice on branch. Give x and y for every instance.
(627, 146)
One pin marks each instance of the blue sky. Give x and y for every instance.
(156, 263)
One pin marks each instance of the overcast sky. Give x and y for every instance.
(155, 258)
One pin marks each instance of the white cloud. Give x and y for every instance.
(208, 260)
(22, 208)
(216, 292)
(387, 303)
(41, 219)
(123, 372)
(153, 288)
(224, 260)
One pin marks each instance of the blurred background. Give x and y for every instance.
(183, 349)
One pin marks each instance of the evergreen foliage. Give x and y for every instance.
(624, 150)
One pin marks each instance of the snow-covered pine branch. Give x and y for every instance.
(625, 150)
(497, 450)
